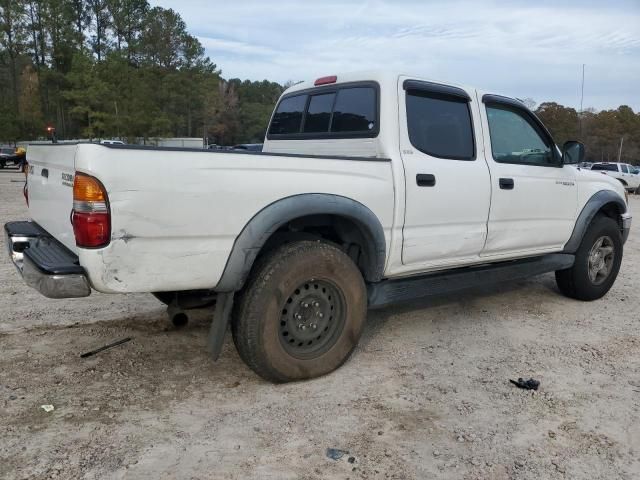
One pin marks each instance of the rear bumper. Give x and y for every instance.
(44, 263)
(626, 225)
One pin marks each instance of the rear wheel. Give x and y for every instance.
(596, 264)
(302, 312)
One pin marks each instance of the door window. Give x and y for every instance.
(440, 126)
(624, 169)
(516, 139)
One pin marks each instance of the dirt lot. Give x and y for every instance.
(426, 395)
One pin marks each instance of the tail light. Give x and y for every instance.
(325, 80)
(91, 217)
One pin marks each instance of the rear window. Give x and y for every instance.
(318, 115)
(440, 126)
(288, 117)
(336, 111)
(609, 167)
(355, 110)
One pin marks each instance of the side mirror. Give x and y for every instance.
(572, 152)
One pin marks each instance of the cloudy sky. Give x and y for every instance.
(520, 48)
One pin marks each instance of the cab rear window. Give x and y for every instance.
(337, 111)
(608, 167)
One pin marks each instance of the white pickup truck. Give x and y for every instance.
(625, 173)
(370, 189)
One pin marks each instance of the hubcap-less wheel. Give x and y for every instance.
(312, 319)
(601, 260)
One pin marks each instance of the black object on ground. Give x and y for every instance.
(335, 453)
(530, 384)
(111, 345)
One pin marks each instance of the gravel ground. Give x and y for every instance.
(426, 394)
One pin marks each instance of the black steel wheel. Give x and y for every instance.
(312, 318)
(301, 313)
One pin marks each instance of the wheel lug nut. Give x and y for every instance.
(317, 304)
(314, 325)
(298, 316)
(320, 314)
(305, 305)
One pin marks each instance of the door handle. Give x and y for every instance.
(45, 173)
(425, 180)
(506, 183)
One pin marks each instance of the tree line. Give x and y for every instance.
(602, 132)
(119, 68)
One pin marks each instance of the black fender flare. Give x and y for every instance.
(591, 208)
(264, 223)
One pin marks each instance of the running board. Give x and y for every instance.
(404, 289)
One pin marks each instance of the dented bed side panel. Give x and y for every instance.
(176, 214)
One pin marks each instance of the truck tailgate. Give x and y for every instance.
(50, 183)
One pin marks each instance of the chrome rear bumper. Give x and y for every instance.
(44, 263)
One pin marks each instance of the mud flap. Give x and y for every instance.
(221, 316)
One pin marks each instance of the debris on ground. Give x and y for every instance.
(111, 345)
(47, 408)
(336, 454)
(530, 384)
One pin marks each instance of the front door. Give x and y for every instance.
(534, 197)
(446, 177)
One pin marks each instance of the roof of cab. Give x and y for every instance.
(385, 79)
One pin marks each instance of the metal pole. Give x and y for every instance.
(620, 149)
(581, 100)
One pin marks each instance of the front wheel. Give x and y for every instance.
(301, 314)
(597, 262)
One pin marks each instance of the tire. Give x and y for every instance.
(579, 281)
(2, 164)
(301, 312)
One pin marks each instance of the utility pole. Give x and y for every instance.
(581, 101)
(620, 149)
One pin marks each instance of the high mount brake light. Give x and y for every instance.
(326, 80)
(91, 215)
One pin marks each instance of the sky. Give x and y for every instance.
(526, 49)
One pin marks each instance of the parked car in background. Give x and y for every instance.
(111, 142)
(9, 156)
(622, 171)
(249, 147)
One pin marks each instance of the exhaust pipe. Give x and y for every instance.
(178, 316)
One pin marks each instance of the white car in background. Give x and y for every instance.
(623, 172)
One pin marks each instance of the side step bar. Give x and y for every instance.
(388, 292)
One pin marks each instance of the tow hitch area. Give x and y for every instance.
(44, 263)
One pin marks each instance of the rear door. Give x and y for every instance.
(533, 196)
(446, 177)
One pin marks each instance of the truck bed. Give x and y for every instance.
(170, 222)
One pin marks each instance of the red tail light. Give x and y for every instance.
(325, 80)
(91, 215)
